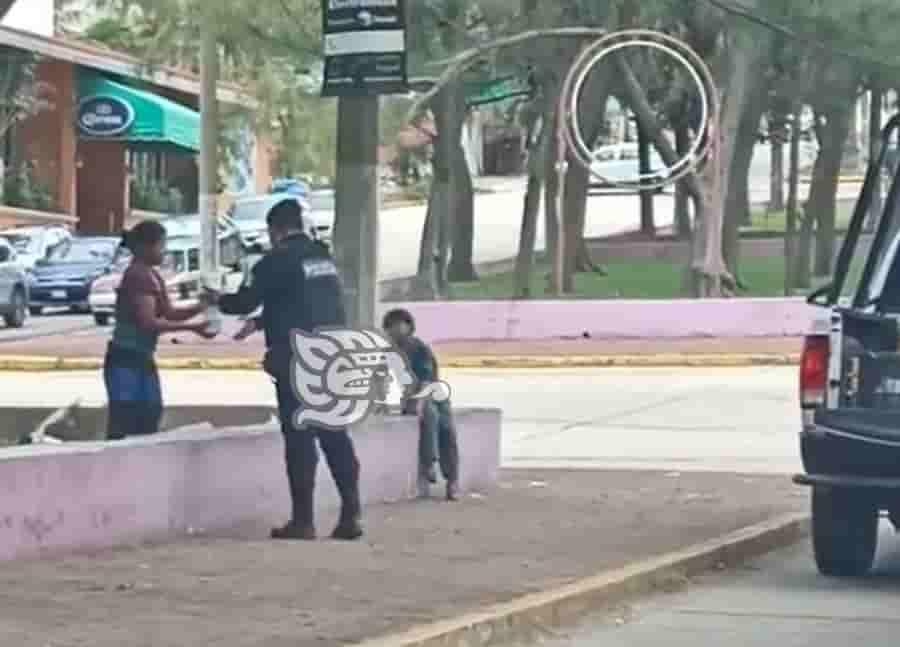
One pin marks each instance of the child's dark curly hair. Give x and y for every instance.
(399, 315)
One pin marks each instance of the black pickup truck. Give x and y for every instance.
(850, 386)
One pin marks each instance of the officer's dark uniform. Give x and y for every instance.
(297, 284)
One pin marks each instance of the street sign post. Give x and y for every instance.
(364, 44)
(364, 47)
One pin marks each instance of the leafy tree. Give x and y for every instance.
(21, 96)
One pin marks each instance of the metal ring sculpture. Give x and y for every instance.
(571, 139)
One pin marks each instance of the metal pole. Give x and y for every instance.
(209, 163)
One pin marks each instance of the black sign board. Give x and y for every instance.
(364, 45)
(104, 116)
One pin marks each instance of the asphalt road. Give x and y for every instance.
(49, 324)
(778, 600)
(498, 223)
(732, 420)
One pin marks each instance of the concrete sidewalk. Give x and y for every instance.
(421, 562)
(85, 351)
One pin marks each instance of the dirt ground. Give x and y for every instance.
(421, 562)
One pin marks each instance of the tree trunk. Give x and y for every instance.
(551, 208)
(707, 265)
(823, 191)
(530, 212)
(425, 285)
(431, 279)
(682, 215)
(574, 213)
(801, 271)
(776, 142)
(648, 223)
(593, 119)
(530, 216)
(5, 6)
(462, 266)
(737, 200)
(790, 229)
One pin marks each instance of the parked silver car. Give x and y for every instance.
(249, 216)
(13, 287)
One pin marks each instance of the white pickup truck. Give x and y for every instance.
(181, 271)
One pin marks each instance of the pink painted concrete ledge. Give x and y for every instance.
(613, 319)
(75, 497)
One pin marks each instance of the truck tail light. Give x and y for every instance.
(814, 371)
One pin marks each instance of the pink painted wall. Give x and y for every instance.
(63, 498)
(509, 320)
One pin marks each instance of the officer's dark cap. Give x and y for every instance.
(287, 214)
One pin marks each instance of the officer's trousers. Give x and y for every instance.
(302, 458)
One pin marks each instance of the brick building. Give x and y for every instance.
(110, 121)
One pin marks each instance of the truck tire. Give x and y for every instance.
(844, 532)
(18, 310)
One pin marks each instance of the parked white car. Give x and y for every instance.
(620, 163)
(181, 271)
(33, 244)
(181, 268)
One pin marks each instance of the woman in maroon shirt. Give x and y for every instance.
(143, 312)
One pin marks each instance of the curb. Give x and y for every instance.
(37, 364)
(673, 360)
(534, 616)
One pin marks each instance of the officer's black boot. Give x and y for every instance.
(349, 527)
(301, 525)
(302, 483)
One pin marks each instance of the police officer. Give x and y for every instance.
(298, 287)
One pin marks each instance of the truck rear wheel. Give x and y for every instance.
(844, 532)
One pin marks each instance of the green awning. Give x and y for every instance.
(111, 110)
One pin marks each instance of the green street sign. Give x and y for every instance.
(479, 94)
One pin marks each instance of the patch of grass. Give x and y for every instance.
(628, 279)
(776, 221)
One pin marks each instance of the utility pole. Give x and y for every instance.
(356, 206)
(209, 163)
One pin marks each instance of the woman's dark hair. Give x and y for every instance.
(148, 232)
(399, 315)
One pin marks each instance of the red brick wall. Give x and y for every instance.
(102, 182)
(48, 139)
